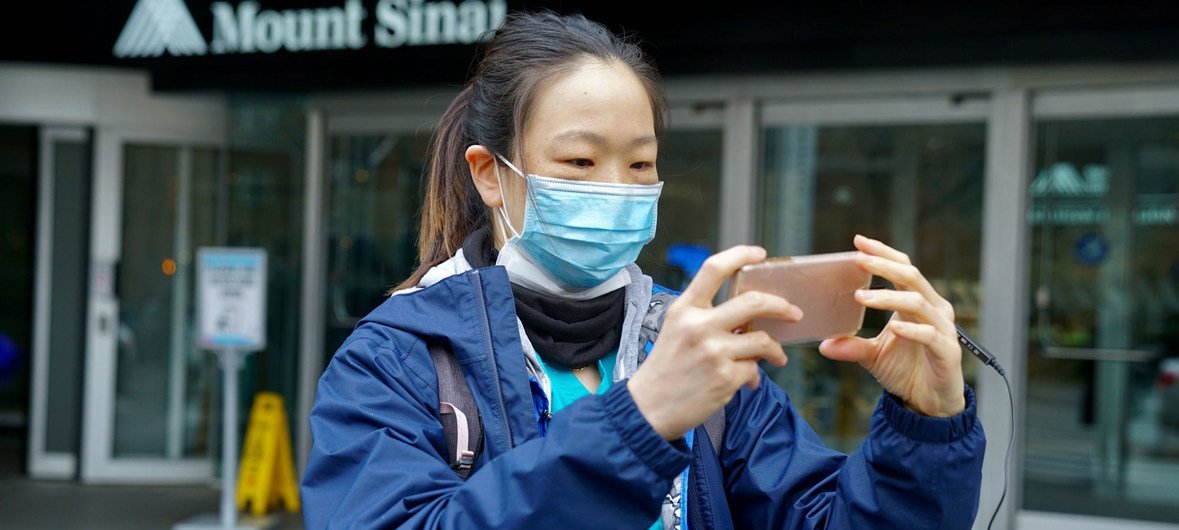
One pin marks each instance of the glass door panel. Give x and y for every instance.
(375, 180)
(917, 187)
(164, 385)
(1102, 428)
(18, 254)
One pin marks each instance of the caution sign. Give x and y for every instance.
(267, 471)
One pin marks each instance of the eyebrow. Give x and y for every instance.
(595, 138)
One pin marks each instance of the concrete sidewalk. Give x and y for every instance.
(27, 504)
(37, 504)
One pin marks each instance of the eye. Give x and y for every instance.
(641, 166)
(582, 162)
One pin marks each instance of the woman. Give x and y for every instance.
(542, 190)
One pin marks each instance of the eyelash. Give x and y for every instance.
(586, 163)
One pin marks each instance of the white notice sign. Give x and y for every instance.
(231, 298)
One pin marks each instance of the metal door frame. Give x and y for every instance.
(98, 461)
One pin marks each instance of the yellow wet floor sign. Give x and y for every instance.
(267, 471)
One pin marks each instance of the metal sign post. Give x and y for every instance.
(231, 309)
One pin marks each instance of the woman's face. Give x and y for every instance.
(594, 123)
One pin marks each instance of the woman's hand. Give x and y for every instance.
(916, 356)
(698, 362)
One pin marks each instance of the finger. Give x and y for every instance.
(913, 305)
(718, 268)
(849, 349)
(940, 349)
(753, 347)
(903, 276)
(737, 312)
(751, 373)
(923, 334)
(878, 248)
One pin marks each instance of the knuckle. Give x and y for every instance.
(759, 301)
(910, 272)
(948, 310)
(712, 266)
(905, 259)
(926, 306)
(693, 331)
(675, 311)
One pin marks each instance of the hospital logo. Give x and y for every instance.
(159, 26)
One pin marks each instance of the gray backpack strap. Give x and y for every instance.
(715, 425)
(457, 409)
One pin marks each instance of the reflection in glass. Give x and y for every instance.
(1102, 431)
(372, 223)
(264, 205)
(18, 247)
(917, 188)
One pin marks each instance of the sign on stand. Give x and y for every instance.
(231, 298)
(231, 320)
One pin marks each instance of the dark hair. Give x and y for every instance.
(528, 50)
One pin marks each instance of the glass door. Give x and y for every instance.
(375, 178)
(906, 171)
(59, 326)
(150, 392)
(18, 254)
(1102, 420)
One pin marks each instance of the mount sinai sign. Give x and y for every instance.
(158, 27)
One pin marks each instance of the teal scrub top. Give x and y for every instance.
(566, 389)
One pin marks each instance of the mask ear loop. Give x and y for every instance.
(503, 210)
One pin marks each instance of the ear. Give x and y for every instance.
(483, 166)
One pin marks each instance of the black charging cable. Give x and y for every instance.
(989, 360)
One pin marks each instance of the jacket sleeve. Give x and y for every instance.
(377, 459)
(911, 472)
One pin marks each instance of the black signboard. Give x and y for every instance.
(301, 45)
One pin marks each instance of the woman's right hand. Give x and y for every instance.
(699, 362)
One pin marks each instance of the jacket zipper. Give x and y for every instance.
(478, 286)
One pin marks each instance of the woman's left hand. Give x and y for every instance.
(916, 356)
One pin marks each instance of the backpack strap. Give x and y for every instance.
(457, 409)
(714, 427)
(661, 299)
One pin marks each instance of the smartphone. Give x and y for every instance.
(822, 285)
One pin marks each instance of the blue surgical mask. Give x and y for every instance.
(582, 233)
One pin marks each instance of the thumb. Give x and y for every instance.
(849, 349)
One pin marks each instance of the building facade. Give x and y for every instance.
(1027, 159)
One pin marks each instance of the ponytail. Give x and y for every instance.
(452, 207)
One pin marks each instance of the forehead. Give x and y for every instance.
(605, 98)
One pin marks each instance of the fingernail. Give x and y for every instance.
(796, 313)
(865, 294)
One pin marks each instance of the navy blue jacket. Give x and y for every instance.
(378, 455)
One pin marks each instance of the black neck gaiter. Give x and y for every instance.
(566, 333)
